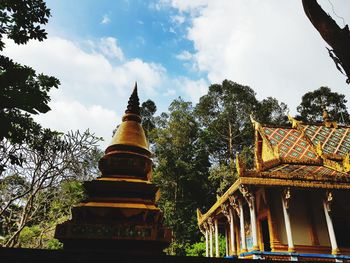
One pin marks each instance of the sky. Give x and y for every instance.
(175, 48)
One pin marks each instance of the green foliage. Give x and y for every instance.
(314, 102)
(224, 116)
(181, 172)
(272, 112)
(198, 249)
(23, 91)
(221, 178)
(40, 192)
(56, 210)
(21, 20)
(148, 109)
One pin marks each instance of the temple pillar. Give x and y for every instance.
(286, 196)
(210, 224)
(216, 238)
(206, 242)
(249, 196)
(253, 223)
(241, 223)
(327, 209)
(232, 233)
(205, 231)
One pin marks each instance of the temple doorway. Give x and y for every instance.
(265, 234)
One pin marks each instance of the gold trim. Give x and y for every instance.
(295, 123)
(294, 183)
(221, 200)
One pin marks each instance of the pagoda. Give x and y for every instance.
(294, 204)
(119, 212)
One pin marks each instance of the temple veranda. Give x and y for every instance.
(294, 204)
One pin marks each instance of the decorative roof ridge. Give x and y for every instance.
(220, 201)
(343, 167)
(289, 160)
(255, 123)
(270, 163)
(337, 126)
(259, 163)
(286, 126)
(295, 123)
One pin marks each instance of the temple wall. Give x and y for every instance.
(300, 222)
(277, 214)
(319, 219)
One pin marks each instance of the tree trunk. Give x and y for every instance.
(338, 38)
(230, 148)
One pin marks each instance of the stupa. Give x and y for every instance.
(119, 212)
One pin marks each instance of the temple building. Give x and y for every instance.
(294, 204)
(119, 212)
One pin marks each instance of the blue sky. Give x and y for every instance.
(173, 48)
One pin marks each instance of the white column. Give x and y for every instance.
(335, 249)
(253, 223)
(206, 243)
(216, 238)
(232, 233)
(241, 221)
(288, 226)
(211, 239)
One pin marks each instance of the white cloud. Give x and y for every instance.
(110, 48)
(178, 19)
(72, 115)
(269, 45)
(87, 77)
(105, 20)
(193, 89)
(184, 55)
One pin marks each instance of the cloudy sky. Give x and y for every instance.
(173, 48)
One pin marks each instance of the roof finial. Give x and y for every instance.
(133, 103)
(325, 115)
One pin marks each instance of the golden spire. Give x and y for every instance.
(133, 103)
(130, 131)
(128, 150)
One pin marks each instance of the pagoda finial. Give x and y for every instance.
(133, 103)
(325, 115)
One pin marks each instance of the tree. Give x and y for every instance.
(314, 102)
(224, 115)
(271, 111)
(21, 20)
(23, 92)
(181, 172)
(338, 38)
(29, 191)
(148, 109)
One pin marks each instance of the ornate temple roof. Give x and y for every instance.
(321, 145)
(291, 143)
(304, 156)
